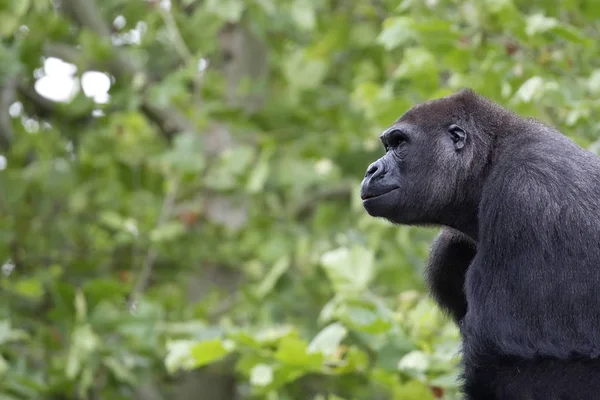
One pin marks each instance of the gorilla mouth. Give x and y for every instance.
(369, 196)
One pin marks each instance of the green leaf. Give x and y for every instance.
(167, 232)
(8, 23)
(361, 313)
(349, 270)
(86, 380)
(572, 34)
(228, 10)
(594, 81)
(304, 72)
(363, 318)
(120, 371)
(80, 306)
(539, 23)
(327, 341)
(29, 287)
(498, 6)
(210, 351)
(303, 13)
(8, 334)
(232, 164)
(84, 342)
(187, 154)
(259, 174)
(294, 352)
(365, 94)
(10, 15)
(112, 219)
(93, 47)
(413, 390)
(3, 366)
(41, 5)
(20, 7)
(269, 281)
(415, 363)
(420, 66)
(267, 5)
(237, 160)
(263, 338)
(451, 380)
(397, 31)
(395, 347)
(179, 355)
(531, 89)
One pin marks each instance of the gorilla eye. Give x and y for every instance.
(393, 138)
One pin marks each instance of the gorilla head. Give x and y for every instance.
(427, 175)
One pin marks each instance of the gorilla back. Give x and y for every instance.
(517, 263)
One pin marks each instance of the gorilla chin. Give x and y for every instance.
(383, 205)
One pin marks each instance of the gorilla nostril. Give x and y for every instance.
(372, 169)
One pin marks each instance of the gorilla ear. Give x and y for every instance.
(458, 135)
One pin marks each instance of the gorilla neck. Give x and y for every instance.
(467, 224)
(462, 212)
(464, 220)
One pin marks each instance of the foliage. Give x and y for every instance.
(201, 231)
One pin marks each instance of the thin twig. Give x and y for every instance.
(7, 97)
(146, 272)
(178, 41)
(184, 52)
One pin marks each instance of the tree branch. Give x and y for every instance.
(74, 56)
(62, 51)
(143, 278)
(44, 106)
(87, 14)
(7, 96)
(170, 120)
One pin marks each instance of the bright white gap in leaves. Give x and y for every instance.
(57, 82)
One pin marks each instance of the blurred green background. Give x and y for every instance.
(179, 208)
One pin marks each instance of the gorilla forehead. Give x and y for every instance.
(437, 112)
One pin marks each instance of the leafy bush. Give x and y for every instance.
(197, 229)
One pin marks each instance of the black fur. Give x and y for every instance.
(520, 207)
(451, 254)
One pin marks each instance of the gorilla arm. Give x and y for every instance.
(451, 254)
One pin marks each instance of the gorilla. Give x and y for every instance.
(517, 262)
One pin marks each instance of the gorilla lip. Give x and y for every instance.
(366, 197)
(371, 196)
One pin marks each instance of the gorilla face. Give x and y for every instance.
(384, 186)
(423, 169)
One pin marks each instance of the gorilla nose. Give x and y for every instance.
(374, 170)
